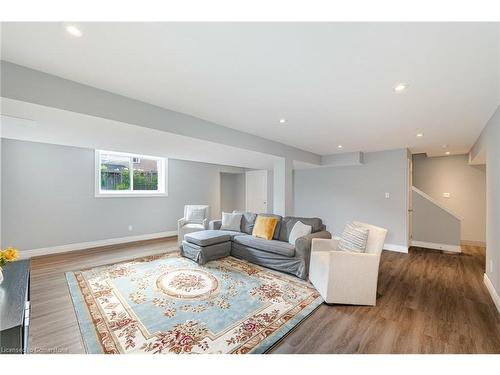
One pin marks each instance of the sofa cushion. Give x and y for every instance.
(288, 223)
(207, 237)
(231, 233)
(247, 221)
(270, 246)
(276, 235)
(204, 254)
(194, 226)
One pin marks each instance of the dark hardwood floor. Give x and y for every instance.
(429, 302)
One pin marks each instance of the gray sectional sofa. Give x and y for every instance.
(277, 253)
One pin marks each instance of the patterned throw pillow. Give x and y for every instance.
(353, 238)
(195, 215)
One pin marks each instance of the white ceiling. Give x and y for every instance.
(331, 81)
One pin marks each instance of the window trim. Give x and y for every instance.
(162, 177)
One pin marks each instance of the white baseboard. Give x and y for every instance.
(24, 254)
(493, 293)
(397, 248)
(437, 246)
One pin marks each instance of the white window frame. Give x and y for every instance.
(162, 177)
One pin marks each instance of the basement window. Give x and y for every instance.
(120, 174)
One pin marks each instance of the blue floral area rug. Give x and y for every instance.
(169, 304)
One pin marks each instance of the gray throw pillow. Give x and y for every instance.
(353, 238)
(247, 221)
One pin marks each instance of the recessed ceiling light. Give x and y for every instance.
(73, 31)
(282, 120)
(339, 146)
(400, 87)
(420, 135)
(447, 152)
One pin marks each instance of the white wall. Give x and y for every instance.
(467, 187)
(493, 200)
(489, 141)
(283, 187)
(345, 193)
(0, 181)
(1, 127)
(48, 197)
(232, 191)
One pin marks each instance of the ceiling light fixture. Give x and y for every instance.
(73, 31)
(400, 87)
(420, 135)
(447, 152)
(282, 120)
(339, 146)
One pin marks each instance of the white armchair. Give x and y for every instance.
(192, 221)
(347, 277)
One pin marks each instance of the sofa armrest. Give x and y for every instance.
(215, 224)
(181, 222)
(344, 262)
(303, 244)
(356, 273)
(345, 277)
(205, 223)
(324, 244)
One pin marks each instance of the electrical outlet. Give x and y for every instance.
(446, 195)
(387, 195)
(130, 228)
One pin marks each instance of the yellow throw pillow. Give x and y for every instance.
(264, 227)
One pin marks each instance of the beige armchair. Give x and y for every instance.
(347, 277)
(192, 221)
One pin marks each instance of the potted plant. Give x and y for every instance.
(7, 255)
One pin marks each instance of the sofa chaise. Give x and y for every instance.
(277, 253)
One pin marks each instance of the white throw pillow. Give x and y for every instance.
(299, 230)
(354, 238)
(195, 215)
(231, 221)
